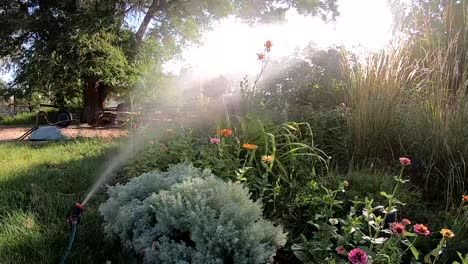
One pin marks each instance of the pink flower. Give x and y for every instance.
(260, 56)
(215, 141)
(421, 229)
(406, 221)
(405, 161)
(340, 250)
(398, 229)
(357, 256)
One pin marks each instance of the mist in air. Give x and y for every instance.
(229, 53)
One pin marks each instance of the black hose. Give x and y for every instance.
(70, 243)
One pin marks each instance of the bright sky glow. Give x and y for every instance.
(232, 46)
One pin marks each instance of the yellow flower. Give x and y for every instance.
(447, 233)
(249, 146)
(267, 158)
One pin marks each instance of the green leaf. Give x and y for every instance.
(386, 195)
(415, 252)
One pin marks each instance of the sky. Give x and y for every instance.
(232, 46)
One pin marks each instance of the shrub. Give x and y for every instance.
(186, 215)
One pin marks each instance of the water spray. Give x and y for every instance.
(73, 222)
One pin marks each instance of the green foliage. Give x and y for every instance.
(100, 59)
(310, 81)
(464, 260)
(5, 91)
(19, 119)
(57, 46)
(185, 215)
(38, 186)
(365, 225)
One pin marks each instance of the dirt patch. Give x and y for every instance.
(9, 133)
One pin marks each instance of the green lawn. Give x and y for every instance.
(38, 187)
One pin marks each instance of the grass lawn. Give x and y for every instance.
(38, 186)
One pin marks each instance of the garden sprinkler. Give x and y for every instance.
(73, 222)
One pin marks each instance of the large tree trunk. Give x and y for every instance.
(94, 96)
(154, 7)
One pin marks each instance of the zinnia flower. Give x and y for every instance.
(406, 221)
(421, 229)
(398, 229)
(447, 233)
(465, 198)
(267, 158)
(260, 56)
(268, 45)
(340, 250)
(357, 256)
(405, 161)
(225, 132)
(249, 146)
(162, 148)
(215, 141)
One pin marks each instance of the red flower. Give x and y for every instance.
(260, 56)
(357, 256)
(268, 45)
(398, 229)
(421, 229)
(340, 250)
(405, 161)
(406, 221)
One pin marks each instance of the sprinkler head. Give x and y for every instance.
(75, 217)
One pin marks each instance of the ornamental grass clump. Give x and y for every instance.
(186, 215)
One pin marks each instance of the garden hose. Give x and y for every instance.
(73, 221)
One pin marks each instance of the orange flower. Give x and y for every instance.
(268, 45)
(267, 158)
(447, 233)
(162, 148)
(225, 132)
(465, 198)
(249, 146)
(260, 56)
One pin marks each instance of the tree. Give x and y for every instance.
(88, 48)
(5, 91)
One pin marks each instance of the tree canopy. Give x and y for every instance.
(92, 47)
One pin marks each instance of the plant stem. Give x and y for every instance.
(390, 204)
(412, 243)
